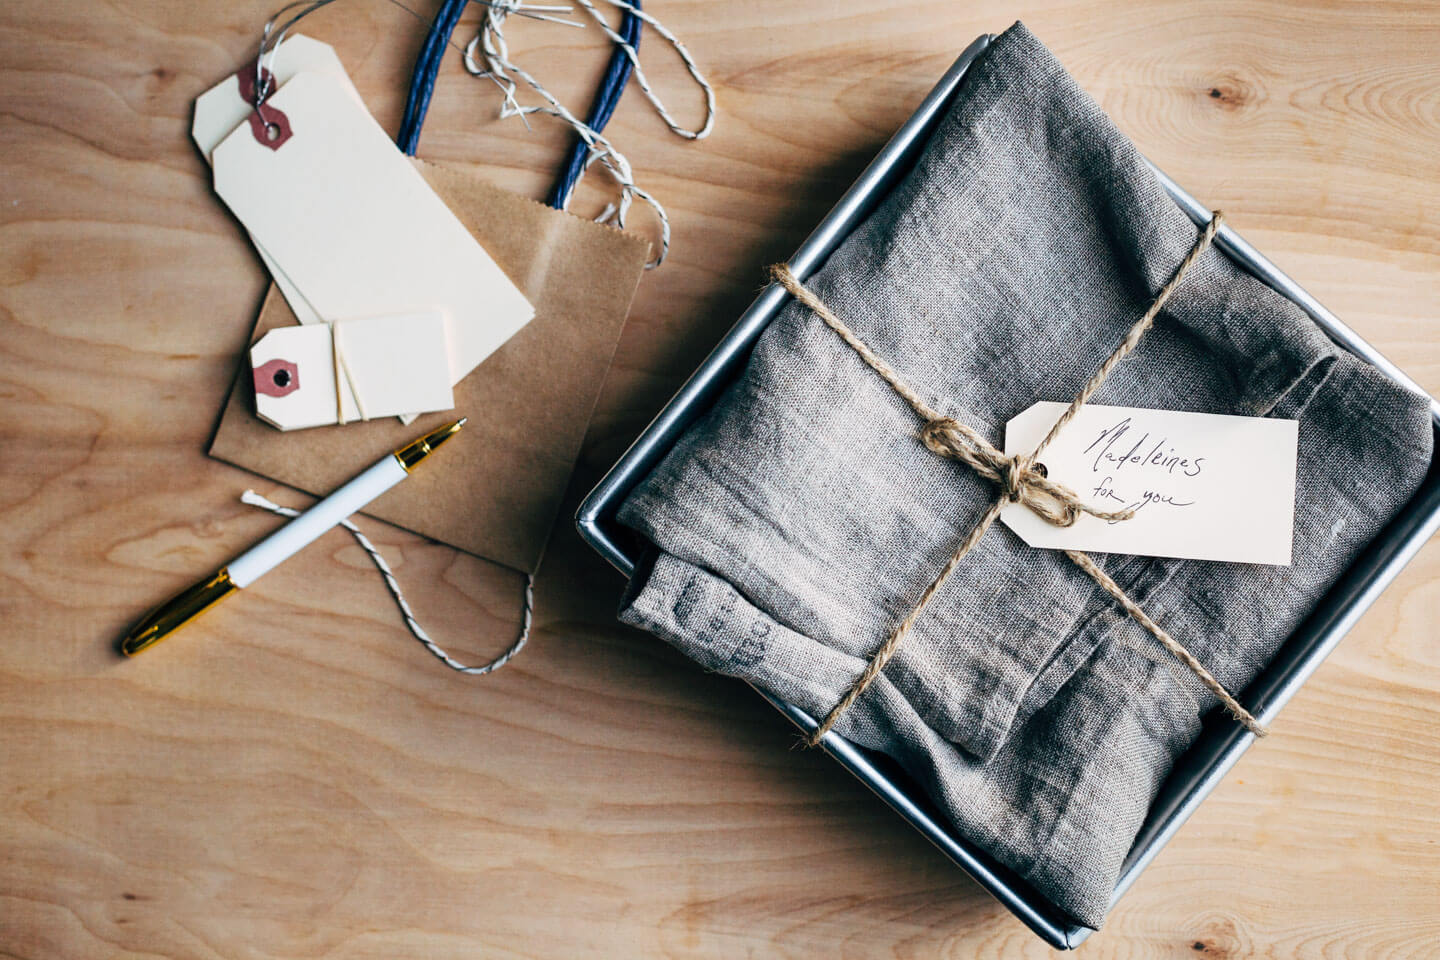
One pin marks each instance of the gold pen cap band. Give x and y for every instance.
(417, 450)
(176, 612)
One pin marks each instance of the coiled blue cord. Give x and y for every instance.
(427, 68)
(422, 78)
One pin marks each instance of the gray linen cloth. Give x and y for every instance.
(800, 520)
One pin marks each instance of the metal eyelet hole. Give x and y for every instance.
(272, 133)
(282, 378)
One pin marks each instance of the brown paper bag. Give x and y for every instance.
(496, 488)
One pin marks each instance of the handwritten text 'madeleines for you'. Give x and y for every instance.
(1113, 451)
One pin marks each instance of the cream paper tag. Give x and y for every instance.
(1204, 486)
(222, 108)
(386, 366)
(346, 217)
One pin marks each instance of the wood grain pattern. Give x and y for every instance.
(297, 778)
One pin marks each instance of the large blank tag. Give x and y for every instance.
(1204, 486)
(352, 224)
(222, 109)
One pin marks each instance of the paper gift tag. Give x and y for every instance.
(384, 366)
(224, 107)
(346, 217)
(1204, 486)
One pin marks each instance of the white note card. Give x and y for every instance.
(1203, 486)
(352, 224)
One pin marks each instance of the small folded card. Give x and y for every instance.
(310, 375)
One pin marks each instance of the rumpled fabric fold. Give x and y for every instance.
(799, 521)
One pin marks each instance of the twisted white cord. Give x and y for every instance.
(527, 614)
(640, 78)
(499, 68)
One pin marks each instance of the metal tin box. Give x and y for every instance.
(1222, 742)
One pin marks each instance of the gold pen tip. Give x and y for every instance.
(417, 450)
(442, 433)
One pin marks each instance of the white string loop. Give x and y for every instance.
(634, 56)
(499, 68)
(254, 499)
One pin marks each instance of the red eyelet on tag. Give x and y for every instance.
(246, 77)
(277, 378)
(270, 127)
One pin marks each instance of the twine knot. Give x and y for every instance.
(1014, 474)
(1020, 478)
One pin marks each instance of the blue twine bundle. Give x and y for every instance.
(427, 68)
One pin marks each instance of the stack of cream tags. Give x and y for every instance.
(396, 300)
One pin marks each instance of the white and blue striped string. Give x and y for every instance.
(497, 66)
(254, 499)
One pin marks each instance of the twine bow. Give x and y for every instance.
(1021, 478)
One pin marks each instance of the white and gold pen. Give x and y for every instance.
(283, 543)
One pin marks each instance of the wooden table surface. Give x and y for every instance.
(297, 778)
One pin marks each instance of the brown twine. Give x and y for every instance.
(1020, 482)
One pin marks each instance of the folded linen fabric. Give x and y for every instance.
(801, 519)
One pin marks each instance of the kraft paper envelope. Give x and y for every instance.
(496, 488)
